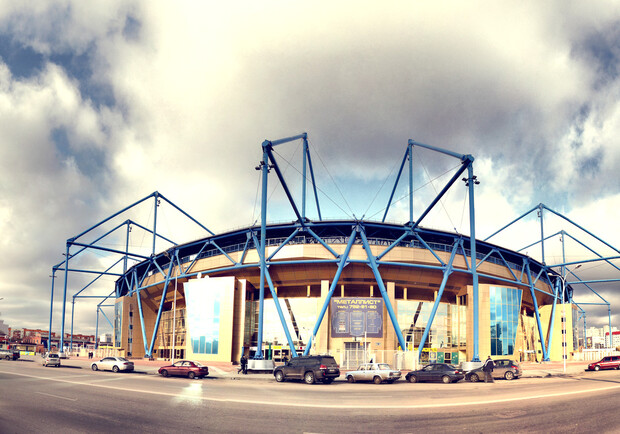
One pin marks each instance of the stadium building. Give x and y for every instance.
(356, 289)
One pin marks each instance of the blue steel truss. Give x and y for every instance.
(179, 260)
(125, 255)
(564, 272)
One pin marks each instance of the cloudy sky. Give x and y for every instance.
(102, 104)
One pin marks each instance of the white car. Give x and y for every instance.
(375, 372)
(50, 359)
(112, 364)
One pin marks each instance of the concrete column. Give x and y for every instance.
(321, 343)
(390, 335)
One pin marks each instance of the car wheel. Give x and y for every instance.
(115, 368)
(309, 377)
(377, 380)
(328, 380)
(164, 373)
(509, 375)
(412, 379)
(474, 378)
(597, 367)
(94, 368)
(446, 379)
(350, 379)
(279, 376)
(191, 375)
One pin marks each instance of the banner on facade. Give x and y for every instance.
(356, 317)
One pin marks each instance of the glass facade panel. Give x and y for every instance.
(203, 320)
(299, 314)
(504, 309)
(447, 331)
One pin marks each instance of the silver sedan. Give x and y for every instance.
(375, 372)
(112, 364)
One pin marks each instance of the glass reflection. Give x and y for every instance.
(504, 307)
(447, 331)
(203, 320)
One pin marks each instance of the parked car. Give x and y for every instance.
(309, 368)
(504, 368)
(50, 359)
(112, 364)
(185, 368)
(9, 354)
(436, 372)
(375, 372)
(608, 362)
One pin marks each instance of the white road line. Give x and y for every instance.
(57, 396)
(340, 406)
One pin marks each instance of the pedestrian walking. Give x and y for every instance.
(243, 363)
(488, 370)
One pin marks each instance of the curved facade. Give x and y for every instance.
(354, 289)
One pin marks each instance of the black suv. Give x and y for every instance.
(309, 368)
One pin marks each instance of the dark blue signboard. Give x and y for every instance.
(354, 317)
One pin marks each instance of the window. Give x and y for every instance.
(504, 305)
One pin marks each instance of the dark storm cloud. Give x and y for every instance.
(601, 48)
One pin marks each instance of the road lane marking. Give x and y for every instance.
(309, 405)
(57, 396)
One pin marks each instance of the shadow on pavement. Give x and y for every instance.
(600, 380)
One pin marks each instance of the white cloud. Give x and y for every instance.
(178, 98)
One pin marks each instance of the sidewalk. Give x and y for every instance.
(552, 369)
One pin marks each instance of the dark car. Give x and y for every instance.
(608, 362)
(185, 368)
(436, 372)
(309, 368)
(503, 368)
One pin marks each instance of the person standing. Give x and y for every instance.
(488, 370)
(241, 361)
(245, 366)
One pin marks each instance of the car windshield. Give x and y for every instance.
(122, 359)
(200, 365)
(384, 366)
(53, 356)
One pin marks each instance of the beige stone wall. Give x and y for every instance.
(321, 345)
(305, 275)
(556, 351)
(238, 319)
(484, 322)
(149, 310)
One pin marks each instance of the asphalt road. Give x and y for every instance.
(75, 399)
